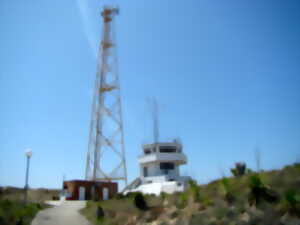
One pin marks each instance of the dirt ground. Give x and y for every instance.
(66, 213)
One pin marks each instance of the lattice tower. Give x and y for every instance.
(106, 152)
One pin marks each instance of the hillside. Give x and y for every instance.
(266, 198)
(34, 195)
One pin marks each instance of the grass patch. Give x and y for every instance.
(15, 212)
(116, 211)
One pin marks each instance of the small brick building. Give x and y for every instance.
(88, 190)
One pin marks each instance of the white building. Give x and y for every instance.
(159, 169)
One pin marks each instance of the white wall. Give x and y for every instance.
(157, 188)
(155, 179)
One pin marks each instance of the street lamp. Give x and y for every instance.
(28, 154)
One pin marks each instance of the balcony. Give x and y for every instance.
(179, 158)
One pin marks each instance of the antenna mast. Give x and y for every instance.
(155, 121)
(106, 151)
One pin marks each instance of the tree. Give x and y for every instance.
(239, 170)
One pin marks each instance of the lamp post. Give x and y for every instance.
(28, 154)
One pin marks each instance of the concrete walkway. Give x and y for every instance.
(63, 213)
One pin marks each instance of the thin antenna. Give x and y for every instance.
(155, 121)
(63, 189)
(257, 154)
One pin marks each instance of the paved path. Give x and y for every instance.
(66, 213)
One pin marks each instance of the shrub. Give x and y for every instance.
(2, 221)
(100, 213)
(39, 206)
(163, 195)
(55, 198)
(259, 191)
(131, 194)
(183, 200)
(270, 195)
(206, 202)
(139, 201)
(229, 197)
(197, 219)
(6, 205)
(226, 184)
(292, 201)
(119, 196)
(89, 204)
(20, 222)
(12, 212)
(239, 170)
(256, 187)
(194, 190)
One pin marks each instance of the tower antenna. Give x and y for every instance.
(106, 137)
(155, 120)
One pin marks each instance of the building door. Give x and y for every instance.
(81, 193)
(105, 193)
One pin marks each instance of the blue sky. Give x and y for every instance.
(226, 75)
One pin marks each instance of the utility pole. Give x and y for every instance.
(106, 137)
(28, 154)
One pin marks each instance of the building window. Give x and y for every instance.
(147, 151)
(167, 149)
(145, 171)
(166, 166)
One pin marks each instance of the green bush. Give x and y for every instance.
(100, 213)
(131, 195)
(225, 184)
(206, 202)
(140, 202)
(89, 204)
(292, 201)
(259, 191)
(119, 196)
(194, 190)
(239, 170)
(17, 213)
(163, 195)
(228, 195)
(183, 200)
(2, 220)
